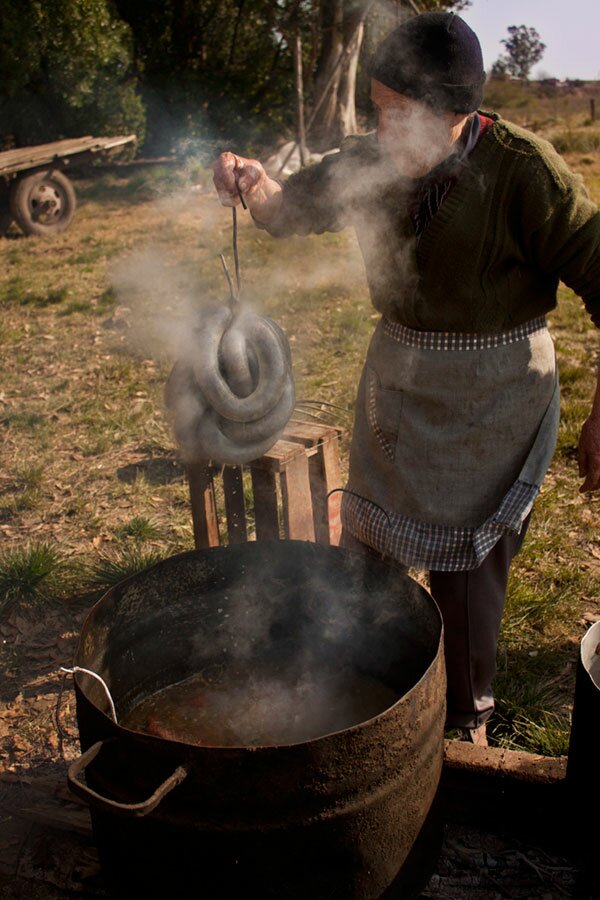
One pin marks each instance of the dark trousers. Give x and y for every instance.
(472, 604)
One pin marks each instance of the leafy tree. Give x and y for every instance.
(342, 28)
(65, 70)
(523, 50)
(500, 69)
(222, 71)
(215, 69)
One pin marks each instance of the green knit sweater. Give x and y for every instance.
(516, 223)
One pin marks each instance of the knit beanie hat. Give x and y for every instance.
(435, 58)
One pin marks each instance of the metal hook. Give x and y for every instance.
(240, 195)
(232, 297)
(234, 293)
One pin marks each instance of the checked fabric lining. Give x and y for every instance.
(444, 548)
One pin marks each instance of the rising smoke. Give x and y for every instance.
(171, 304)
(168, 297)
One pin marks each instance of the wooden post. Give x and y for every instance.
(322, 448)
(332, 478)
(204, 507)
(300, 131)
(593, 109)
(235, 511)
(266, 516)
(297, 506)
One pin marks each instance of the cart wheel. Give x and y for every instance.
(43, 202)
(5, 213)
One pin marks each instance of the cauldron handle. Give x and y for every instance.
(127, 810)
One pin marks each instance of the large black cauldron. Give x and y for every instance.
(332, 818)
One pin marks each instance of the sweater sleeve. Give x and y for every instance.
(310, 202)
(566, 244)
(322, 197)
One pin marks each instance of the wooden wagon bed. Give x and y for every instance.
(13, 161)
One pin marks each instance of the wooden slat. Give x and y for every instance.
(318, 493)
(234, 504)
(265, 504)
(321, 443)
(324, 469)
(204, 507)
(297, 504)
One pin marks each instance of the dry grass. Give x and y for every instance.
(89, 469)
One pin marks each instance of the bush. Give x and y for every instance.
(65, 71)
(575, 140)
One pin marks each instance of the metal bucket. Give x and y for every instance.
(332, 818)
(582, 765)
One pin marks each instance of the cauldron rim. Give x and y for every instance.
(119, 730)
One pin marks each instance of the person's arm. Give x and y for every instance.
(567, 245)
(318, 198)
(589, 446)
(261, 194)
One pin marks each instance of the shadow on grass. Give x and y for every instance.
(533, 699)
(161, 470)
(135, 184)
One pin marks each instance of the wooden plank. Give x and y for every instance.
(204, 507)
(235, 510)
(52, 147)
(308, 433)
(297, 503)
(277, 458)
(520, 793)
(21, 158)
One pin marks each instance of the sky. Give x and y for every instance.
(569, 28)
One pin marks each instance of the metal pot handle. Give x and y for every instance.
(127, 810)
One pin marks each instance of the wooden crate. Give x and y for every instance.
(297, 473)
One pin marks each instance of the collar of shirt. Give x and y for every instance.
(452, 165)
(429, 193)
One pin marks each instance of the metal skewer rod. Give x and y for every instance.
(240, 195)
(236, 258)
(232, 298)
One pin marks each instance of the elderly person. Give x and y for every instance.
(466, 224)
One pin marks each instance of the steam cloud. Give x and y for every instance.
(282, 663)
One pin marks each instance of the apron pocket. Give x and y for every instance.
(383, 409)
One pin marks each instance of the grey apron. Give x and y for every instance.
(453, 435)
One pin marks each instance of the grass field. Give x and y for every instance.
(90, 483)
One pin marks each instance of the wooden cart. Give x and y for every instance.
(35, 192)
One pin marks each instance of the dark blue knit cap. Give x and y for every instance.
(435, 58)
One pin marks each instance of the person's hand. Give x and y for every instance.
(231, 171)
(589, 454)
